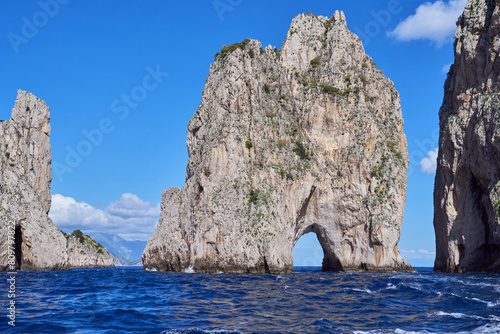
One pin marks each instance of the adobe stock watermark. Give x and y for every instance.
(11, 278)
(121, 107)
(381, 20)
(223, 6)
(30, 27)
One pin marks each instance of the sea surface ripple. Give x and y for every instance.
(129, 300)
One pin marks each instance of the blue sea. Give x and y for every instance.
(129, 300)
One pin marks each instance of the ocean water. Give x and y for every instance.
(129, 300)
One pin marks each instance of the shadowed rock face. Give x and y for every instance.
(285, 142)
(467, 188)
(25, 175)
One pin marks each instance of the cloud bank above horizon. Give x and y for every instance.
(130, 217)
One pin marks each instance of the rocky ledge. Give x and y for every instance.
(307, 138)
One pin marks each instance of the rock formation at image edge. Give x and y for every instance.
(25, 167)
(307, 138)
(467, 187)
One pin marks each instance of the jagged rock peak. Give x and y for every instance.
(308, 138)
(467, 187)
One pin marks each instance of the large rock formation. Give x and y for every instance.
(467, 189)
(285, 142)
(25, 188)
(25, 167)
(83, 252)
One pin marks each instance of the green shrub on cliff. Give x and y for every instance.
(254, 196)
(266, 88)
(315, 61)
(301, 150)
(83, 238)
(79, 235)
(227, 49)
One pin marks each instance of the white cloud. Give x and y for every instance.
(130, 218)
(131, 205)
(428, 164)
(426, 252)
(432, 21)
(69, 213)
(421, 254)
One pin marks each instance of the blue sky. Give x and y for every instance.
(122, 78)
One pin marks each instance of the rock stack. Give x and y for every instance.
(307, 138)
(26, 230)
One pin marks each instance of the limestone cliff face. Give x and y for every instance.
(25, 188)
(25, 175)
(83, 252)
(308, 138)
(467, 188)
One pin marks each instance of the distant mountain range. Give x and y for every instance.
(121, 262)
(125, 252)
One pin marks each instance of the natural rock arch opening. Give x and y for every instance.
(330, 261)
(18, 236)
(307, 251)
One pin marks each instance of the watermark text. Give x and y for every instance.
(11, 280)
(30, 27)
(223, 6)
